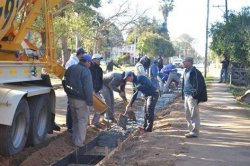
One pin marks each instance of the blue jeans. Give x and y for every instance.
(223, 75)
(155, 83)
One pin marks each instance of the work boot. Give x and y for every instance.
(53, 125)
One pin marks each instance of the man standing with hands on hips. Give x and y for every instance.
(193, 92)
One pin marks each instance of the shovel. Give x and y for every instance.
(123, 120)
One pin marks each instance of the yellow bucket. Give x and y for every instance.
(99, 105)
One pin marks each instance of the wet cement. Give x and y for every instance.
(110, 138)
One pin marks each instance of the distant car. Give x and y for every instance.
(178, 63)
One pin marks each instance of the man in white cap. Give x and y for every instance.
(97, 78)
(193, 91)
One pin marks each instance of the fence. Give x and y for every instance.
(240, 76)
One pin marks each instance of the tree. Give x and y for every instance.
(183, 46)
(167, 6)
(153, 44)
(232, 39)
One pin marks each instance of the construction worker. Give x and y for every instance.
(79, 88)
(140, 70)
(73, 60)
(97, 78)
(113, 82)
(110, 66)
(143, 84)
(154, 73)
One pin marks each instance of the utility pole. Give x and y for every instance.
(206, 50)
(226, 11)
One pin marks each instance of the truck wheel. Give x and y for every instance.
(13, 138)
(40, 109)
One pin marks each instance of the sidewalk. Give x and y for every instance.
(225, 134)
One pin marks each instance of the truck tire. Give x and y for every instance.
(40, 110)
(14, 137)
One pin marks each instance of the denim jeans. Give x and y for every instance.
(223, 75)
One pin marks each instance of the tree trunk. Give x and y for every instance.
(66, 52)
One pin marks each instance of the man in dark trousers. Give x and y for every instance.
(223, 73)
(113, 82)
(110, 66)
(79, 88)
(143, 84)
(193, 91)
(97, 78)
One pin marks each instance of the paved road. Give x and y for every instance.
(225, 133)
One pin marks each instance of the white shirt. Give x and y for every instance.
(73, 60)
(139, 69)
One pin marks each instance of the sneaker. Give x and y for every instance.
(78, 145)
(191, 135)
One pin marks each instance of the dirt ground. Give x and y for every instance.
(57, 145)
(224, 137)
(160, 147)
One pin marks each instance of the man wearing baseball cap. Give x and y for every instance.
(97, 78)
(193, 92)
(143, 84)
(79, 88)
(73, 60)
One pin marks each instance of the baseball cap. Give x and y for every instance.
(86, 57)
(127, 74)
(188, 59)
(97, 56)
(80, 50)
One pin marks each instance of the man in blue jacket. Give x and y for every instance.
(193, 91)
(143, 84)
(154, 73)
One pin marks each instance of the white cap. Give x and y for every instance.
(97, 56)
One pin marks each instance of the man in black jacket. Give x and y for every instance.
(97, 78)
(193, 91)
(79, 88)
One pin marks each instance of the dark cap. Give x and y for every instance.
(80, 51)
(189, 59)
(128, 74)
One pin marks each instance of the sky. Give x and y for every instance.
(188, 16)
